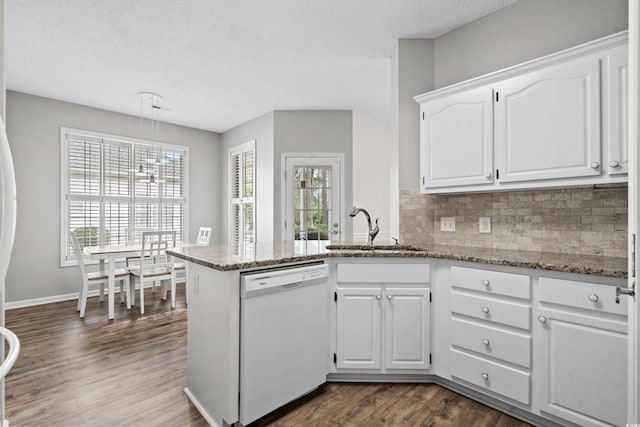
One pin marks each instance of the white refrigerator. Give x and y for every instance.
(7, 232)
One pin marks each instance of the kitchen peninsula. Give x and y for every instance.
(528, 311)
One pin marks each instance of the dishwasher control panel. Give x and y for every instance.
(296, 275)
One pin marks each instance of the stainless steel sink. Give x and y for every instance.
(352, 247)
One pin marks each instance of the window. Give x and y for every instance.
(242, 215)
(108, 188)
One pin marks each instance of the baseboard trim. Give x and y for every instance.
(59, 298)
(200, 408)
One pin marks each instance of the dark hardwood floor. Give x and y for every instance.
(131, 372)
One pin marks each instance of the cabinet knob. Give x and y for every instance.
(488, 176)
(389, 297)
(485, 309)
(485, 341)
(378, 296)
(542, 319)
(593, 298)
(485, 376)
(595, 165)
(485, 282)
(614, 164)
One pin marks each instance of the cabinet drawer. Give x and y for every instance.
(507, 313)
(500, 379)
(383, 273)
(493, 282)
(589, 296)
(508, 346)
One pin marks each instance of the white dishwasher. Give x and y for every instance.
(284, 326)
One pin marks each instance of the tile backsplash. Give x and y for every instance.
(588, 221)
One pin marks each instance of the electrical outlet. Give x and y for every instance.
(485, 224)
(448, 223)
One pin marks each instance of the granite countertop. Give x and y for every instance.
(268, 254)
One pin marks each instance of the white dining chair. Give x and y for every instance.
(97, 278)
(155, 265)
(204, 236)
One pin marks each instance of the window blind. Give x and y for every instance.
(104, 195)
(242, 203)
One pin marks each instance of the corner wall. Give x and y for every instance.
(33, 127)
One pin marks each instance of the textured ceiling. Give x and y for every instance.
(219, 63)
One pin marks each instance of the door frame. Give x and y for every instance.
(332, 157)
(633, 353)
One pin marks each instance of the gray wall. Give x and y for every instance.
(33, 128)
(260, 129)
(315, 131)
(411, 74)
(525, 30)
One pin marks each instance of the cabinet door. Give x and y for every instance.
(616, 112)
(457, 140)
(359, 325)
(583, 368)
(407, 323)
(548, 123)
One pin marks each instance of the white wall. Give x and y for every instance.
(33, 128)
(522, 31)
(314, 131)
(260, 129)
(371, 171)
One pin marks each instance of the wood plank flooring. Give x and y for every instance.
(131, 372)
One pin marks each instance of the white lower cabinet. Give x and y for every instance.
(383, 326)
(490, 331)
(582, 352)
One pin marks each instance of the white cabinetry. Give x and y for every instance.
(383, 317)
(615, 111)
(490, 331)
(556, 121)
(548, 122)
(582, 350)
(458, 140)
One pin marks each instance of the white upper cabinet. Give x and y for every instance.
(555, 121)
(457, 143)
(548, 123)
(615, 111)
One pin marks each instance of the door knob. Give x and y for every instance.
(593, 298)
(614, 164)
(485, 341)
(486, 282)
(485, 309)
(542, 319)
(389, 297)
(378, 296)
(594, 165)
(485, 376)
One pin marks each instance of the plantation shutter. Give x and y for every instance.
(242, 217)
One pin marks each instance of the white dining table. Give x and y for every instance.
(111, 253)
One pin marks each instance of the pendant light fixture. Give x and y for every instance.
(153, 102)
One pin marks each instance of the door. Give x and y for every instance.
(582, 356)
(547, 123)
(407, 321)
(633, 384)
(457, 140)
(312, 188)
(359, 326)
(616, 111)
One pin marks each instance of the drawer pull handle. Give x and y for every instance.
(485, 309)
(593, 298)
(485, 376)
(378, 296)
(485, 341)
(485, 282)
(542, 319)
